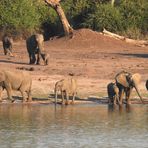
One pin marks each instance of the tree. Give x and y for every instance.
(112, 2)
(55, 4)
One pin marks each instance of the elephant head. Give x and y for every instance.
(39, 41)
(128, 80)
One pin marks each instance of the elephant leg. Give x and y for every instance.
(43, 58)
(73, 98)
(62, 95)
(38, 59)
(9, 92)
(115, 100)
(67, 99)
(23, 95)
(9, 52)
(128, 93)
(33, 60)
(109, 101)
(1, 89)
(29, 96)
(121, 94)
(30, 59)
(5, 51)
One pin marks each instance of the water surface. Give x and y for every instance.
(73, 126)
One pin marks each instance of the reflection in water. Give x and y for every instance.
(73, 126)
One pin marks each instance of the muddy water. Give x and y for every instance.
(84, 126)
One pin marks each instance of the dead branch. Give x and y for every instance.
(141, 43)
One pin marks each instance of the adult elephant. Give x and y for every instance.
(126, 81)
(35, 48)
(16, 80)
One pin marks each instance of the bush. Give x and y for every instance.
(21, 16)
(135, 20)
(104, 16)
(24, 17)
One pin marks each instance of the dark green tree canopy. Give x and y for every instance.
(126, 17)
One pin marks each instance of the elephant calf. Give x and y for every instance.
(113, 93)
(35, 47)
(7, 45)
(16, 80)
(66, 87)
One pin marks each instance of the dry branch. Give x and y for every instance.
(116, 36)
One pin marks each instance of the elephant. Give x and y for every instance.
(15, 80)
(126, 82)
(35, 46)
(67, 86)
(146, 84)
(7, 45)
(113, 93)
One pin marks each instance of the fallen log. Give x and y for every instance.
(116, 36)
(141, 43)
(137, 42)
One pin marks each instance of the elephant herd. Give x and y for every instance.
(35, 48)
(22, 81)
(123, 84)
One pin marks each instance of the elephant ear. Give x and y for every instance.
(122, 79)
(2, 77)
(136, 78)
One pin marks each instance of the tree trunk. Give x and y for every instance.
(57, 7)
(112, 2)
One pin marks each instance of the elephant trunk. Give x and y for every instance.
(118, 99)
(56, 94)
(139, 94)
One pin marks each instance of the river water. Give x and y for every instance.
(73, 126)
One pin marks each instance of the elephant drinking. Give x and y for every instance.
(126, 82)
(16, 80)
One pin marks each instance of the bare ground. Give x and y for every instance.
(93, 58)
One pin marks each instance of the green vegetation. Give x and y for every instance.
(127, 17)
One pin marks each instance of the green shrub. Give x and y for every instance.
(127, 17)
(105, 16)
(21, 16)
(135, 17)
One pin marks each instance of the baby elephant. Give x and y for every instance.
(16, 80)
(67, 87)
(7, 45)
(113, 93)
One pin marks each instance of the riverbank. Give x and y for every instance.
(94, 60)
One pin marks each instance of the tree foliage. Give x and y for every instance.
(127, 17)
(21, 15)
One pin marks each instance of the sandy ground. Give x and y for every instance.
(93, 58)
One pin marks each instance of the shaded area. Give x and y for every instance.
(13, 62)
(134, 55)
